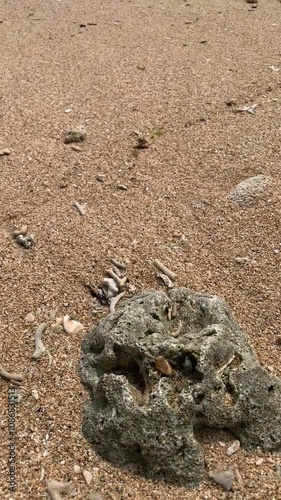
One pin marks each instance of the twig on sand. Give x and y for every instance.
(164, 269)
(119, 281)
(79, 207)
(13, 377)
(247, 109)
(118, 264)
(114, 301)
(56, 488)
(39, 346)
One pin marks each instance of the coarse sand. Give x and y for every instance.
(173, 71)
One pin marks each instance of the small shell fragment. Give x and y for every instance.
(167, 282)
(87, 476)
(71, 326)
(163, 366)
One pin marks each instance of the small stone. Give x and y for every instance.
(76, 148)
(87, 476)
(75, 135)
(5, 152)
(222, 444)
(259, 461)
(35, 394)
(29, 318)
(224, 478)
(95, 496)
(141, 67)
(122, 187)
(25, 241)
(77, 469)
(22, 230)
(278, 341)
(100, 178)
(248, 190)
(163, 366)
(242, 260)
(71, 326)
(233, 448)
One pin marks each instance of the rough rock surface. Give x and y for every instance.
(248, 191)
(141, 419)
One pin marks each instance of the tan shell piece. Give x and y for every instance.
(163, 366)
(71, 326)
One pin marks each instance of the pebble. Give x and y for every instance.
(29, 318)
(122, 187)
(76, 148)
(233, 448)
(100, 178)
(224, 478)
(71, 326)
(75, 135)
(87, 476)
(163, 366)
(25, 241)
(22, 230)
(5, 152)
(141, 67)
(249, 189)
(35, 394)
(95, 496)
(77, 469)
(259, 461)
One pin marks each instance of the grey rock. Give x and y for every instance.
(225, 478)
(25, 241)
(140, 419)
(249, 190)
(75, 135)
(233, 448)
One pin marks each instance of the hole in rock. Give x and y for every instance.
(156, 316)
(129, 368)
(271, 388)
(229, 395)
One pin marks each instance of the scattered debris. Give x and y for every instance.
(166, 280)
(164, 269)
(114, 301)
(71, 326)
(39, 346)
(5, 152)
(79, 207)
(224, 478)
(87, 476)
(163, 366)
(17, 377)
(56, 488)
(247, 109)
(75, 135)
(233, 448)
